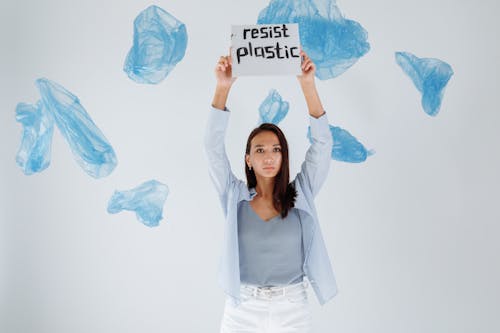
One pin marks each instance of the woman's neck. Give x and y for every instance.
(265, 187)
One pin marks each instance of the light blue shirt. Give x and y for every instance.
(308, 182)
(270, 251)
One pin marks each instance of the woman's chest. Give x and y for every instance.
(263, 209)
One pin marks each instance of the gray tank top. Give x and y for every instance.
(271, 253)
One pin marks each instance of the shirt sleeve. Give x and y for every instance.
(215, 149)
(316, 165)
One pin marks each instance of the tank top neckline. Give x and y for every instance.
(258, 217)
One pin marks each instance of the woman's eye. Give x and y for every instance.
(260, 150)
(277, 149)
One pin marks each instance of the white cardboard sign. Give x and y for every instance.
(265, 49)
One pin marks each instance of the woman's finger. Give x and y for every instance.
(221, 67)
(304, 56)
(223, 60)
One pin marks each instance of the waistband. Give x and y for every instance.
(273, 291)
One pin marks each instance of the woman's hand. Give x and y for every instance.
(225, 79)
(308, 70)
(224, 72)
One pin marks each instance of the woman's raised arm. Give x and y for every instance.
(317, 161)
(218, 119)
(308, 86)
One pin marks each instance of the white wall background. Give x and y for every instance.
(412, 233)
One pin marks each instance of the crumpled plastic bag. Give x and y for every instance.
(429, 75)
(90, 148)
(273, 109)
(146, 201)
(36, 143)
(333, 42)
(346, 148)
(160, 42)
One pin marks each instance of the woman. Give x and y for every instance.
(273, 239)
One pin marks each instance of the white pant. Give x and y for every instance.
(273, 309)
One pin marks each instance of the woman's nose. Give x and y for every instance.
(268, 159)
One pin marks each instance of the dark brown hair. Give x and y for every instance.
(284, 193)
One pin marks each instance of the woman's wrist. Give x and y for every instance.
(220, 96)
(223, 87)
(308, 86)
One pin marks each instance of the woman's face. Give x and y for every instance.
(265, 154)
